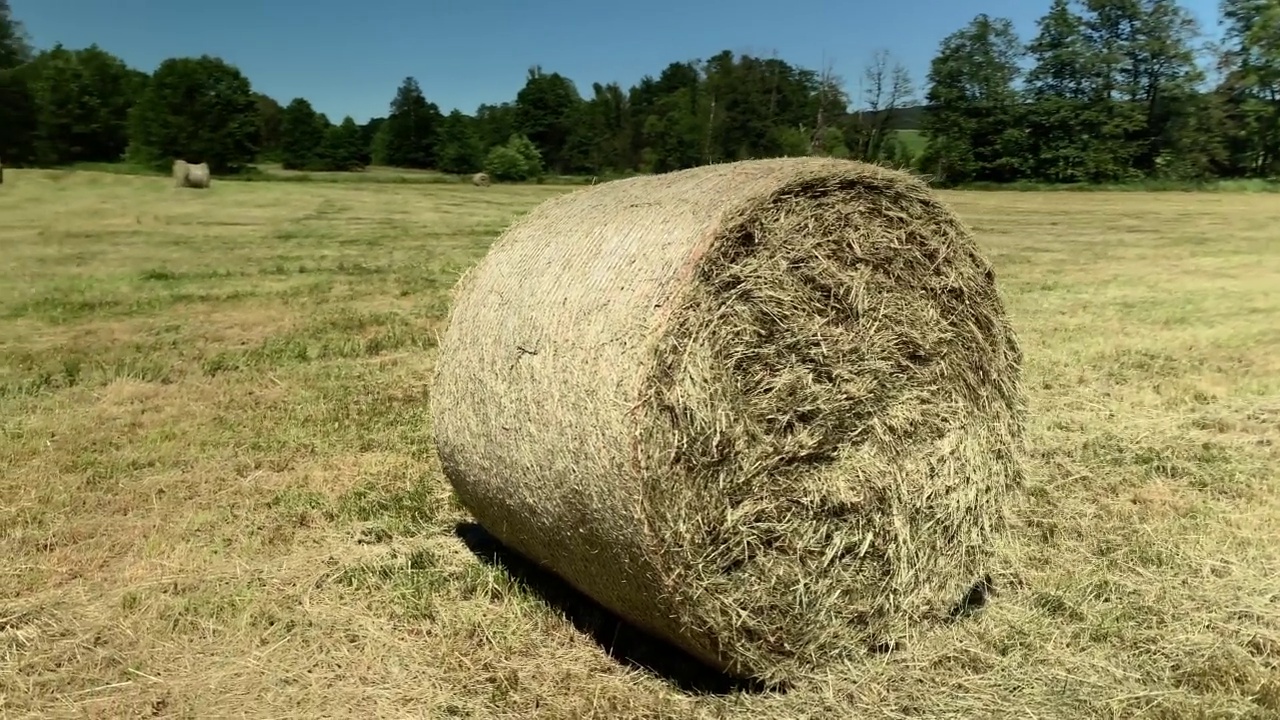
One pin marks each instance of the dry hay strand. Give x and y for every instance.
(480, 180)
(191, 176)
(770, 411)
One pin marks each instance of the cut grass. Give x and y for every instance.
(274, 172)
(218, 494)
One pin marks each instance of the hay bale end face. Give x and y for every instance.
(191, 176)
(480, 180)
(767, 410)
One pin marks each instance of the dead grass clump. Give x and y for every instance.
(768, 410)
(190, 176)
(480, 180)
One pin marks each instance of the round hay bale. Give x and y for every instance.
(480, 180)
(198, 176)
(768, 410)
(190, 176)
(180, 169)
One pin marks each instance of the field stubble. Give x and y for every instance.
(218, 494)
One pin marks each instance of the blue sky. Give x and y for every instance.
(349, 57)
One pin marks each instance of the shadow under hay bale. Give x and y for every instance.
(621, 640)
(770, 411)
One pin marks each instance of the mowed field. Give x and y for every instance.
(219, 496)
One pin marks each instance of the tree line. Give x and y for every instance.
(1105, 91)
(1108, 91)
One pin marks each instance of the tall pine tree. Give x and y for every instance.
(410, 130)
(458, 145)
(342, 148)
(302, 136)
(17, 106)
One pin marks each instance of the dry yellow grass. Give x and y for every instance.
(218, 496)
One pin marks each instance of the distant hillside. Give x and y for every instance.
(907, 118)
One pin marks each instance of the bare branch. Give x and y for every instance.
(901, 89)
(876, 77)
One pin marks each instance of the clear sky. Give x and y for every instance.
(348, 57)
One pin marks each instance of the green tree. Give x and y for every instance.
(517, 160)
(750, 106)
(831, 111)
(1145, 73)
(545, 110)
(302, 136)
(674, 115)
(1251, 89)
(15, 49)
(342, 148)
(829, 142)
(18, 119)
(380, 147)
(1067, 122)
(600, 137)
(18, 111)
(529, 153)
(270, 125)
(495, 123)
(458, 146)
(82, 100)
(368, 132)
(196, 109)
(642, 99)
(676, 132)
(1168, 91)
(973, 119)
(411, 128)
(503, 163)
(887, 87)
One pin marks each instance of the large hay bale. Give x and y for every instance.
(480, 180)
(191, 176)
(768, 410)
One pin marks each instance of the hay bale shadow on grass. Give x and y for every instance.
(621, 640)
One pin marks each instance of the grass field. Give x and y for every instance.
(274, 172)
(218, 494)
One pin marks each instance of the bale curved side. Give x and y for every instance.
(179, 172)
(187, 175)
(767, 410)
(198, 176)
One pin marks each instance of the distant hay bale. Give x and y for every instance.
(767, 410)
(190, 176)
(480, 180)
